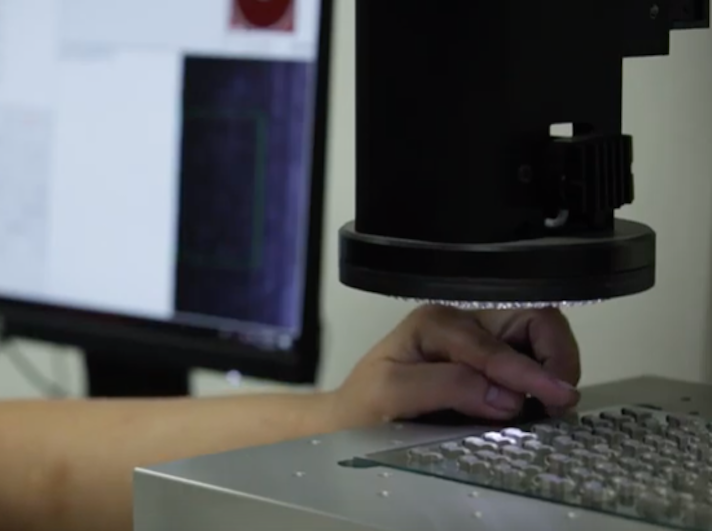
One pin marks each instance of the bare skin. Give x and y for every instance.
(67, 465)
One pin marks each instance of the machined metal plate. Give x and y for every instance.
(302, 484)
(633, 462)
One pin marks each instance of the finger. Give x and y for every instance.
(509, 368)
(554, 345)
(431, 387)
(454, 336)
(545, 334)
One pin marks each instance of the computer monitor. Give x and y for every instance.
(161, 185)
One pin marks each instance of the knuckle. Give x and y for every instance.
(465, 382)
(428, 315)
(430, 311)
(545, 314)
(462, 376)
(480, 340)
(418, 316)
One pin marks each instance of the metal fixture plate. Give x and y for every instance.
(301, 485)
(631, 462)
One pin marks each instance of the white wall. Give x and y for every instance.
(668, 108)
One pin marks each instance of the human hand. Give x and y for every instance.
(472, 362)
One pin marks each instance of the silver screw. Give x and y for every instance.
(299, 474)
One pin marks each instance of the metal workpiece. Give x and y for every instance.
(636, 458)
(618, 475)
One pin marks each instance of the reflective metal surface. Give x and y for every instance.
(632, 462)
(636, 464)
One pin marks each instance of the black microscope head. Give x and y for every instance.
(464, 196)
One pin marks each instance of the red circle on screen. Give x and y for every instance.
(264, 13)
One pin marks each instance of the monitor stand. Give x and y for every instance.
(109, 377)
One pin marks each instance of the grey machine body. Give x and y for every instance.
(301, 485)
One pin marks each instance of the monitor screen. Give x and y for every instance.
(160, 168)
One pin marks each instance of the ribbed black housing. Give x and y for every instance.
(596, 172)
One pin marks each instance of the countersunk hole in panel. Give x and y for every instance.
(686, 399)
(358, 463)
(694, 413)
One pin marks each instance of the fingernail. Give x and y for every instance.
(565, 385)
(572, 392)
(501, 399)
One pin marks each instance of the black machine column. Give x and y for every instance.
(463, 193)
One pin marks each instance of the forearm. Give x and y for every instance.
(67, 466)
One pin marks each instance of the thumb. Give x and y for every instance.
(429, 387)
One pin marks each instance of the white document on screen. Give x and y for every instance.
(259, 29)
(88, 183)
(25, 140)
(27, 70)
(91, 125)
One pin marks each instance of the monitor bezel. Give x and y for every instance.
(187, 347)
